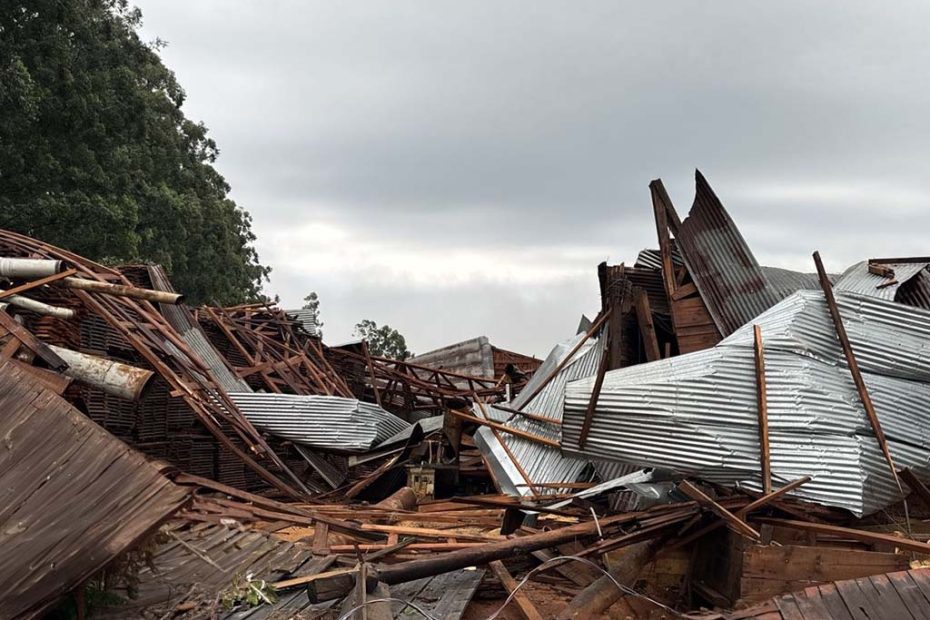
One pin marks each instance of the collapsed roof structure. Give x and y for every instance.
(176, 457)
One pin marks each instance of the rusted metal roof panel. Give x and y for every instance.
(723, 267)
(72, 496)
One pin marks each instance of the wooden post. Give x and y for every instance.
(600, 595)
(646, 326)
(571, 354)
(854, 367)
(595, 391)
(764, 454)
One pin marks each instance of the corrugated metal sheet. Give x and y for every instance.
(72, 496)
(916, 292)
(474, 357)
(306, 318)
(786, 282)
(857, 279)
(328, 423)
(697, 413)
(652, 259)
(542, 464)
(723, 267)
(180, 574)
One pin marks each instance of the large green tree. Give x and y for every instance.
(97, 156)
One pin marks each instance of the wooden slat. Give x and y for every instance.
(762, 403)
(910, 594)
(646, 327)
(888, 598)
(526, 607)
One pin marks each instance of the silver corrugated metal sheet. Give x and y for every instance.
(697, 413)
(328, 423)
(542, 464)
(305, 318)
(785, 282)
(917, 291)
(726, 273)
(474, 357)
(857, 279)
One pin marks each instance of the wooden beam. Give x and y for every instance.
(854, 367)
(731, 519)
(527, 610)
(505, 429)
(646, 327)
(28, 286)
(847, 532)
(762, 402)
(741, 513)
(30, 341)
(571, 354)
(881, 270)
(595, 392)
(910, 259)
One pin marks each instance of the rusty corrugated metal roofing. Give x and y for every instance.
(723, 267)
(72, 496)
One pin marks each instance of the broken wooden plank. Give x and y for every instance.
(762, 402)
(731, 519)
(854, 367)
(526, 607)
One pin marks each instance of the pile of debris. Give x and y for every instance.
(723, 440)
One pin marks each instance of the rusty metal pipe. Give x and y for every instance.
(28, 267)
(39, 307)
(114, 378)
(161, 297)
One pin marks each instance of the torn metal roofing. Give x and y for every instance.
(328, 423)
(306, 318)
(723, 267)
(72, 496)
(540, 463)
(697, 413)
(858, 279)
(785, 282)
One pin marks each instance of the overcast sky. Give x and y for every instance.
(457, 169)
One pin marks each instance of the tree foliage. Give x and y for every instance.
(312, 303)
(97, 156)
(382, 341)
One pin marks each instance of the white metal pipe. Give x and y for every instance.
(38, 307)
(28, 267)
(111, 377)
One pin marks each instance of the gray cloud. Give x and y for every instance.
(521, 136)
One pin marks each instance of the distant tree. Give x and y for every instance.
(312, 303)
(382, 341)
(97, 156)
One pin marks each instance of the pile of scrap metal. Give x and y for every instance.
(723, 440)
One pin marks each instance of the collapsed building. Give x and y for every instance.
(723, 439)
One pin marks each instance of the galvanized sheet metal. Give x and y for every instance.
(541, 463)
(785, 282)
(726, 273)
(328, 423)
(697, 413)
(72, 496)
(857, 279)
(306, 318)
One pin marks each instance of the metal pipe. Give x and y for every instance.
(162, 297)
(28, 267)
(39, 307)
(114, 378)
